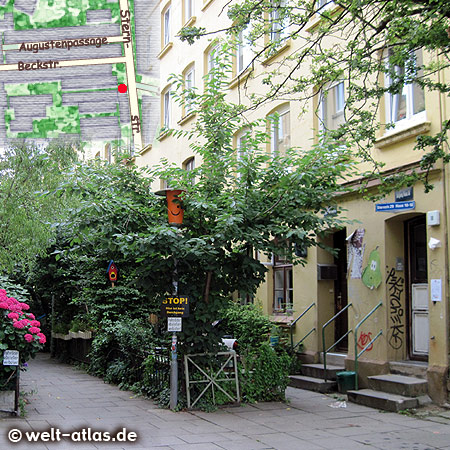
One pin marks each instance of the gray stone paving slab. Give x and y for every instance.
(208, 446)
(243, 444)
(339, 444)
(69, 399)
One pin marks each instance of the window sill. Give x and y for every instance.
(277, 53)
(163, 133)
(315, 22)
(146, 149)
(206, 4)
(281, 318)
(165, 50)
(240, 78)
(186, 118)
(393, 136)
(190, 21)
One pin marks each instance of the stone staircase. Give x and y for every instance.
(312, 375)
(404, 387)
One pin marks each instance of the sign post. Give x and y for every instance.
(11, 358)
(174, 308)
(175, 212)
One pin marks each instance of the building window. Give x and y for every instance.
(331, 106)
(244, 53)
(211, 58)
(241, 148)
(324, 4)
(407, 103)
(188, 10)
(108, 155)
(166, 97)
(189, 164)
(189, 84)
(280, 139)
(283, 298)
(166, 26)
(278, 23)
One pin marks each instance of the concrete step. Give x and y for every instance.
(318, 371)
(382, 400)
(416, 369)
(312, 384)
(337, 359)
(399, 384)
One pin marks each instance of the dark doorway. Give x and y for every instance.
(417, 287)
(340, 289)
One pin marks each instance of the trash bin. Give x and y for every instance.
(345, 381)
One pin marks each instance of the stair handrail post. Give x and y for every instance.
(292, 324)
(356, 340)
(325, 350)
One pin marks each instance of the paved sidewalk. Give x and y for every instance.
(70, 400)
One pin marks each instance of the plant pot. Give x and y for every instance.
(85, 334)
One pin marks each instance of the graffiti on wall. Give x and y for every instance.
(396, 287)
(364, 339)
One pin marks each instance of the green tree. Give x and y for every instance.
(376, 47)
(235, 207)
(238, 204)
(27, 174)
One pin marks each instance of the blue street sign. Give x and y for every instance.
(395, 206)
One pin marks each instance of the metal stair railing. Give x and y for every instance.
(325, 351)
(357, 355)
(292, 325)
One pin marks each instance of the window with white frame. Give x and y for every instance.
(166, 26)
(211, 58)
(407, 104)
(331, 106)
(280, 139)
(188, 10)
(244, 52)
(324, 4)
(283, 297)
(189, 164)
(241, 146)
(278, 23)
(189, 83)
(167, 108)
(108, 154)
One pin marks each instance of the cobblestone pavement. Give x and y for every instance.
(67, 399)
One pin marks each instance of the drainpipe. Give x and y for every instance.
(446, 196)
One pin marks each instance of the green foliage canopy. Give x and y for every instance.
(364, 42)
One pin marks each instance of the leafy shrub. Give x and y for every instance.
(15, 290)
(18, 331)
(265, 374)
(120, 353)
(247, 324)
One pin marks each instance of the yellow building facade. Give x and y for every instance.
(393, 254)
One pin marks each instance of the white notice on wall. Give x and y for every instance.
(11, 358)
(436, 290)
(174, 324)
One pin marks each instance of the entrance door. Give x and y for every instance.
(340, 289)
(418, 287)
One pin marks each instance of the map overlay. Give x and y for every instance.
(61, 64)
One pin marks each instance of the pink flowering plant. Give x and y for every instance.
(19, 330)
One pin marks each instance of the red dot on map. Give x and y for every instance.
(122, 88)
